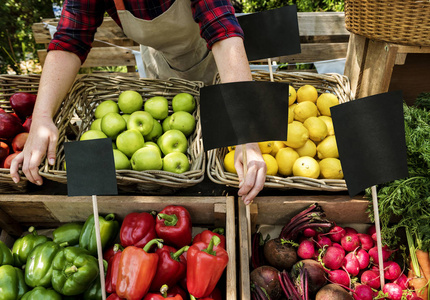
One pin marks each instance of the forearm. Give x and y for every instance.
(231, 60)
(59, 73)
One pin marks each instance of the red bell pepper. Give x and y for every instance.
(177, 290)
(215, 295)
(112, 271)
(113, 297)
(162, 294)
(172, 267)
(136, 270)
(206, 235)
(137, 229)
(109, 252)
(173, 225)
(205, 265)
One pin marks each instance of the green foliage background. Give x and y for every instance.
(17, 16)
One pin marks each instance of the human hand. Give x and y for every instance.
(251, 183)
(41, 141)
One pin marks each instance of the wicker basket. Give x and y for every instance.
(79, 107)
(334, 83)
(10, 84)
(401, 22)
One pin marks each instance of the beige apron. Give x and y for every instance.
(171, 45)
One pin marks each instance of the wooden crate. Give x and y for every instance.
(277, 211)
(17, 212)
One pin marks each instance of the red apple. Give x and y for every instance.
(18, 141)
(4, 150)
(27, 123)
(10, 126)
(23, 103)
(8, 160)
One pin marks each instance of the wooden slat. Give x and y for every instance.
(321, 23)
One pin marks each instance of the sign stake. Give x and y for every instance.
(378, 234)
(99, 246)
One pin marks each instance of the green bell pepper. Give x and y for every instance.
(24, 245)
(68, 233)
(38, 269)
(109, 228)
(12, 283)
(40, 293)
(94, 292)
(74, 270)
(6, 257)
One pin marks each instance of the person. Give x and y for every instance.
(190, 39)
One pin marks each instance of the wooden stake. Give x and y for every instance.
(99, 246)
(269, 62)
(378, 235)
(247, 207)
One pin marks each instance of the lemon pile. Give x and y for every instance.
(310, 149)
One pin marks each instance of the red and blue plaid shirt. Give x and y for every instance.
(80, 19)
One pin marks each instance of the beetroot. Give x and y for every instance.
(322, 241)
(336, 233)
(393, 291)
(350, 242)
(333, 257)
(392, 270)
(366, 241)
(363, 292)
(339, 277)
(306, 249)
(316, 274)
(266, 277)
(280, 255)
(350, 264)
(333, 292)
(363, 259)
(371, 278)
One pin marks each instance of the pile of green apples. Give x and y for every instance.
(145, 135)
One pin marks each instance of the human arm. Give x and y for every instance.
(59, 72)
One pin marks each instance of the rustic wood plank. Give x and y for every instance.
(357, 48)
(321, 23)
(245, 284)
(230, 227)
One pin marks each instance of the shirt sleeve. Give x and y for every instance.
(216, 20)
(77, 26)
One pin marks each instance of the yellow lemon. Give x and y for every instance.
(272, 165)
(285, 159)
(276, 146)
(325, 101)
(307, 92)
(317, 128)
(292, 95)
(290, 115)
(229, 162)
(265, 147)
(297, 135)
(231, 148)
(308, 149)
(304, 110)
(293, 106)
(331, 168)
(328, 148)
(306, 166)
(329, 123)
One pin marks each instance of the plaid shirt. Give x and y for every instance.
(80, 19)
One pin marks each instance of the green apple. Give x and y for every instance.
(96, 124)
(155, 133)
(183, 121)
(113, 124)
(121, 160)
(130, 101)
(146, 158)
(129, 141)
(92, 134)
(126, 117)
(142, 121)
(176, 162)
(154, 145)
(172, 141)
(184, 102)
(106, 107)
(158, 107)
(165, 124)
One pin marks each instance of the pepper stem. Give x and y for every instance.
(192, 297)
(178, 253)
(214, 242)
(70, 270)
(169, 220)
(148, 245)
(31, 229)
(117, 247)
(219, 230)
(163, 290)
(110, 217)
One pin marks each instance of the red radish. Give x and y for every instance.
(393, 291)
(374, 237)
(333, 257)
(349, 230)
(366, 241)
(322, 241)
(306, 249)
(309, 232)
(339, 277)
(371, 278)
(336, 233)
(337, 245)
(363, 259)
(371, 230)
(392, 270)
(350, 264)
(363, 292)
(402, 280)
(350, 242)
(386, 253)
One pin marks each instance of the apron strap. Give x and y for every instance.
(119, 4)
